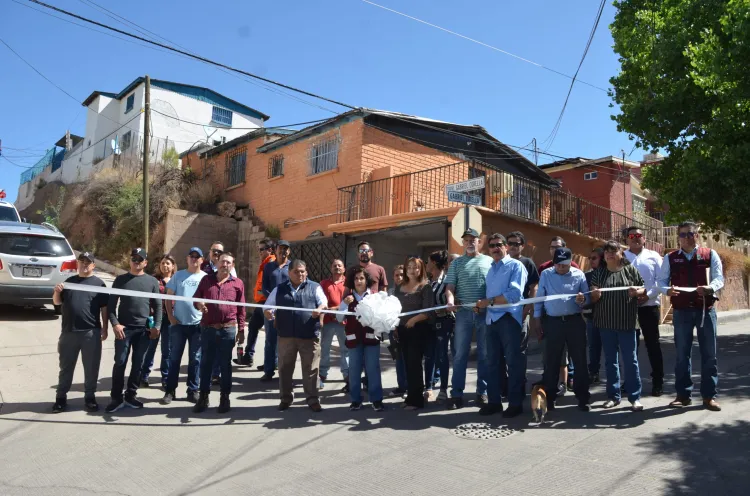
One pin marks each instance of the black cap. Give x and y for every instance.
(139, 252)
(563, 256)
(282, 242)
(87, 255)
(470, 232)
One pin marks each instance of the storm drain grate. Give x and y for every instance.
(481, 431)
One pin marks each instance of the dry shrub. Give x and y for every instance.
(200, 196)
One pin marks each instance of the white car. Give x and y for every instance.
(33, 260)
(9, 212)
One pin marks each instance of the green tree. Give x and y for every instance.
(684, 88)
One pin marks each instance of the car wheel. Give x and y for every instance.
(58, 309)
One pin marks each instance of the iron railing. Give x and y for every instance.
(503, 192)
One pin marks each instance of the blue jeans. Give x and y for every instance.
(466, 322)
(594, 339)
(436, 363)
(367, 357)
(136, 338)
(181, 334)
(148, 360)
(217, 346)
(625, 341)
(330, 330)
(684, 323)
(503, 340)
(270, 350)
(400, 368)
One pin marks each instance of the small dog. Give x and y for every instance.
(538, 403)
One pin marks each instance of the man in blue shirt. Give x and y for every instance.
(275, 274)
(562, 323)
(505, 283)
(185, 327)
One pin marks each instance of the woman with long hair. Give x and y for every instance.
(413, 331)
(436, 363)
(596, 261)
(615, 315)
(165, 269)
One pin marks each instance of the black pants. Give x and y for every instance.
(558, 332)
(89, 345)
(649, 318)
(413, 344)
(255, 323)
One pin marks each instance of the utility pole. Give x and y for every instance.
(146, 144)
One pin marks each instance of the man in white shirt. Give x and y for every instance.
(648, 263)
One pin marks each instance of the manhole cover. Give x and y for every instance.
(481, 431)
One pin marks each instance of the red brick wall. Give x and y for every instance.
(606, 190)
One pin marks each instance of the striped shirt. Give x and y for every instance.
(615, 309)
(438, 288)
(468, 275)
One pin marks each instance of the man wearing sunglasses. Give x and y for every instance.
(697, 267)
(130, 325)
(211, 264)
(275, 273)
(648, 263)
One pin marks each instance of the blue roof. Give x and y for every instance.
(197, 92)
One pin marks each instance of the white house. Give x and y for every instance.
(183, 116)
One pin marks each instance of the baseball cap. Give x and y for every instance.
(282, 242)
(197, 250)
(563, 256)
(470, 232)
(87, 255)
(139, 252)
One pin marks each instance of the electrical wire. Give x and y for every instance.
(37, 71)
(243, 128)
(483, 44)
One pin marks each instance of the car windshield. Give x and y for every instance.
(33, 245)
(8, 213)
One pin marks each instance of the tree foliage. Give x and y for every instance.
(684, 87)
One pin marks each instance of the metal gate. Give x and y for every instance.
(318, 254)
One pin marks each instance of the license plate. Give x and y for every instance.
(32, 272)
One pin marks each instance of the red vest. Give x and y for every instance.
(356, 333)
(690, 274)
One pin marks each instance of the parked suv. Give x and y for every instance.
(8, 212)
(33, 260)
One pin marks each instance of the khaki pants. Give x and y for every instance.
(309, 353)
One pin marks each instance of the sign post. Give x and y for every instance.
(459, 193)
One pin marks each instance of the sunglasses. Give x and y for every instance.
(496, 245)
(514, 243)
(217, 252)
(635, 236)
(688, 234)
(136, 260)
(362, 250)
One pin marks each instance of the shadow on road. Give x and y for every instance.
(13, 313)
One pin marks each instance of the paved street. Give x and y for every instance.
(257, 450)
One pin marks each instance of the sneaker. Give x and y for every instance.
(482, 400)
(224, 405)
(611, 403)
(168, 397)
(657, 391)
(636, 406)
(202, 404)
(512, 411)
(561, 390)
(192, 397)
(378, 406)
(91, 405)
(442, 397)
(114, 406)
(266, 378)
(594, 378)
(491, 409)
(356, 405)
(133, 402)
(144, 383)
(456, 404)
(60, 405)
(215, 380)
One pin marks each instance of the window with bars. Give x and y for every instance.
(324, 155)
(221, 116)
(276, 166)
(235, 167)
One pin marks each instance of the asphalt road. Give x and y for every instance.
(257, 450)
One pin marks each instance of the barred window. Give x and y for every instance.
(221, 116)
(235, 167)
(276, 166)
(324, 155)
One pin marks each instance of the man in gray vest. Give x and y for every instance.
(298, 332)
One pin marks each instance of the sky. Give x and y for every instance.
(347, 50)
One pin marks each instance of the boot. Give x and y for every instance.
(223, 403)
(202, 404)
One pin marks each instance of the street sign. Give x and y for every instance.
(464, 198)
(470, 185)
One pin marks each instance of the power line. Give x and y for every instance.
(483, 44)
(242, 128)
(553, 134)
(183, 52)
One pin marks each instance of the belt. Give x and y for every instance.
(565, 318)
(222, 326)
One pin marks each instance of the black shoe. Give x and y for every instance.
(223, 403)
(550, 406)
(482, 400)
(345, 389)
(91, 405)
(456, 404)
(657, 391)
(396, 393)
(584, 407)
(561, 390)
(168, 397)
(356, 405)
(215, 381)
(202, 404)
(60, 405)
(115, 405)
(594, 378)
(259, 368)
(569, 385)
(491, 409)
(133, 402)
(266, 378)
(513, 411)
(378, 406)
(144, 383)
(283, 406)
(192, 397)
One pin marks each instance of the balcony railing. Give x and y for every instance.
(503, 192)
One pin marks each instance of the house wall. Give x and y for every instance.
(606, 190)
